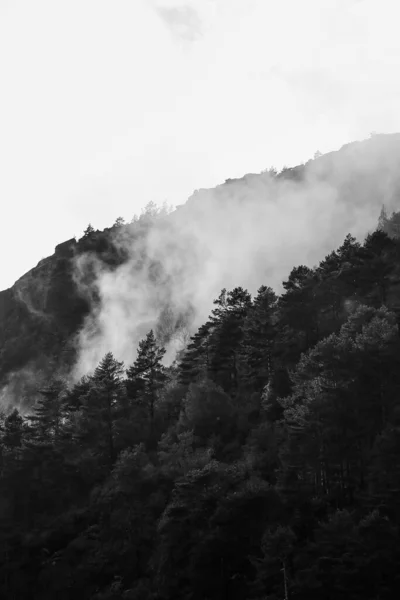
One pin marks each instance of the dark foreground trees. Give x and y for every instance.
(264, 464)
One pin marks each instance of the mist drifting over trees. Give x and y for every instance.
(203, 403)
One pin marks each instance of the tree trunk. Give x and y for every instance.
(285, 583)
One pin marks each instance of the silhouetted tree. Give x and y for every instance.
(146, 376)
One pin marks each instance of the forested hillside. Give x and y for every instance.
(41, 315)
(162, 270)
(263, 463)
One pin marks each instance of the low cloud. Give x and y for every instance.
(247, 232)
(183, 21)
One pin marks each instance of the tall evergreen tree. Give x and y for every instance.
(47, 419)
(258, 339)
(146, 376)
(13, 430)
(299, 325)
(103, 404)
(377, 268)
(383, 220)
(195, 360)
(227, 335)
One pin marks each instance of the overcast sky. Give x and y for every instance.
(106, 105)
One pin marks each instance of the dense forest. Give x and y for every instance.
(263, 463)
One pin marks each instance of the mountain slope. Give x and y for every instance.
(42, 313)
(43, 310)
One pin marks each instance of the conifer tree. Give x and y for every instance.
(119, 222)
(103, 403)
(258, 339)
(88, 231)
(195, 361)
(47, 419)
(106, 399)
(377, 267)
(227, 335)
(299, 321)
(146, 376)
(383, 220)
(13, 430)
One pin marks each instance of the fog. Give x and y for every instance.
(246, 232)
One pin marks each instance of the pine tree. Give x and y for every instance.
(227, 335)
(88, 231)
(74, 398)
(103, 403)
(106, 398)
(119, 222)
(195, 361)
(47, 419)
(377, 267)
(146, 376)
(383, 220)
(108, 374)
(329, 294)
(258, 339)
(13, 430)
(299, 326)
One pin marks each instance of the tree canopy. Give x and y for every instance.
(264, 462)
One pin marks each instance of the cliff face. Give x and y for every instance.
(36, 288)
(44, 309)
(40, 312)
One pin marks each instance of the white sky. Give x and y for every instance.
(108, 104)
